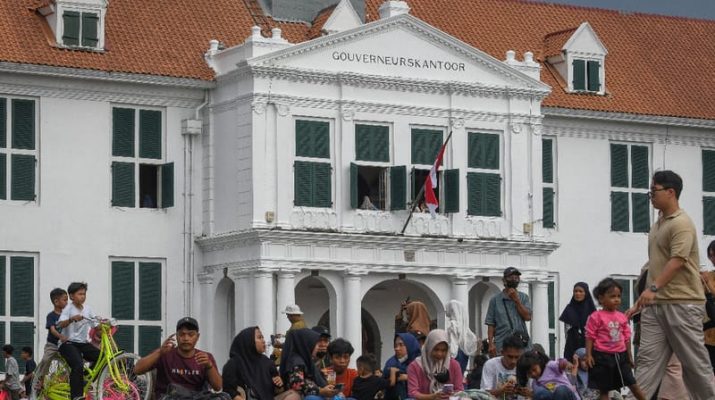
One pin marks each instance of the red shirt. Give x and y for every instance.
(347, 378)
(173, 368)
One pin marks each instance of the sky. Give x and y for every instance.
(703, 9)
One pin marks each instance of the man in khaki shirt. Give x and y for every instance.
(674, 300)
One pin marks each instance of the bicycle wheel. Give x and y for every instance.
(130, 385)
(52, 380)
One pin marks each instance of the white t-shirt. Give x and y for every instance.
(78, 331)
(494, 374)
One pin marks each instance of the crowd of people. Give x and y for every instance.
(674, 358)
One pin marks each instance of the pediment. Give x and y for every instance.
(585, 40)
(399, 47)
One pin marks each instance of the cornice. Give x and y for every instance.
(627, 117)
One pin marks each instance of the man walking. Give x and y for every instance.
(507, 313)
(673, 302)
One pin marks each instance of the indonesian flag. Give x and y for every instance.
(431, 183)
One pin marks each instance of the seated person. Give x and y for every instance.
(340, 351)
(369, 383)
(182, 369)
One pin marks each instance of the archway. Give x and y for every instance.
(371, 340)
(479, 297)
(316, 297)
(224, 317)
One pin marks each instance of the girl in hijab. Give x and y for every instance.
(463, 343)
(250, 371)
(418, 320)
(406, 350)
(298, 371)
(575, 316)
(434, 375)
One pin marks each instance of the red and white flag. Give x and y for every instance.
(431, 183)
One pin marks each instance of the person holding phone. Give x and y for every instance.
(435, 375)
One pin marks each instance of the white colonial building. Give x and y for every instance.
(201, 165)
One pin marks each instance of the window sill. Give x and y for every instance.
(140, 209)
(20, 203)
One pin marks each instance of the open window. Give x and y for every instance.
(377, 188)
(446, 192)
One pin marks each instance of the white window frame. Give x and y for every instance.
(630, 189)
(500, 171)
(331, 138)
(586, 57)
(9, 151)
(422, 167)
(378, 164)
(100, 11)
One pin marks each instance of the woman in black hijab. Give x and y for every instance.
(575, 316)
(298, 371)
(251, 371)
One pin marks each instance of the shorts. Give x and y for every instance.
(610, 371)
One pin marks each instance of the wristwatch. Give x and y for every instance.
(653, 288)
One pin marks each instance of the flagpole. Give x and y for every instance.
(420, 194)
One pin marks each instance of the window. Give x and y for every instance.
(629, 294)
(630, 178)
(81, 29)
(18, 149)
(586, 75)
(549, 183)
(709, 192)
(484, 174)
(140, 177)
(371, 176)
(426, 144)
(17, 304)
(313, 172)
(552, 320)
(137, 304)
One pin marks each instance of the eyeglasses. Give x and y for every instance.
(652, 191)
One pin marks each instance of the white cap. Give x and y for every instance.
(292, 309)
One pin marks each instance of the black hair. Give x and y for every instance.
(75, 286)
(56, 293)
(474, 378)
(711, 248)
(604, 286)
(525, 362)
(340, 346)
(28, 350)
(368, 361)
(669, 180)
(8, 349)
(512, 342)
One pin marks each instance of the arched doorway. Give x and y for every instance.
(479, 297)
(316, 297)
(371, 340)
(224, 318)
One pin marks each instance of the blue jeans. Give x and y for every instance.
(561, 393)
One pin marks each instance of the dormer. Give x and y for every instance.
(77, 24)
(342, 18)
(579, 56)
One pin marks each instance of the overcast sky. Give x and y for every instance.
(704, 9)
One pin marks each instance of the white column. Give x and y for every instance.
(263, 300)
(540, 313)
(285, 295)
(460, 291)
(206, 317)
(352, 312)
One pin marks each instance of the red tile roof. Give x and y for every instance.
(656, 65)
(554, 42)
(320, 21)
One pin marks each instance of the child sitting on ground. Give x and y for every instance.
(549, 379)
(368, 384)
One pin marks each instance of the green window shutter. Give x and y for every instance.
(709, 170)
(451, 191)
(547, 160)
(3, 123)
(3, 261)
(150, 134)
(149, 339)
(322, 185)
(312, 139)
(425, 145)
(22, 179)
(493, 189)
(619, 211)
(124, 337)
(372, 143)
(709, 215)
(303, 183)
(3, 176)
(23, 124)
(123, 290)
(552, 307)
(548, 208)
(354, 201)
(641, 212)
(594, 76)
(123, 184)
(474, 194)
(167, 185)
(625, 294)
(552, 346)
(22, 334)
(398, 187)
(70, 36)
(619, 165)
(483, 149)
(22, 286)
(150, 292)
(123, 132)
(2, 339)
(640, 174)
(484, 194)
(579, 75)
(90, 22)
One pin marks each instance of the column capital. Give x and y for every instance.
(354, 273)
(238, 274)
(461, 279)
(263, 273)
(287, 272)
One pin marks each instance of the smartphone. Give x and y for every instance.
(448, 388)
(339, 387)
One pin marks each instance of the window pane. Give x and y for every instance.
(148, 185)
(303, 183)
(150, 291)
(23, 124)
(125, 338)
(579, 75)
(451, 191)
(640, 175)
(354, 189)
(619, 211)
(3, 176)
(123, 132)
(372, 143)
(483, 150)
(70, 36)
(625, 295)
(322, 185)
(123, 184)
(484, 194)
(548, 208)
(312, 139)
(22, 179)
(3, 123)
(22, 286)
(3, 261)
(150, 134)
(709, 170)
(425, 145)
(123, 290)
(398, 188)
(149, 339)
(641, 212)
(547, 160)
(709, 215)
(593, 76)
(619, 165)
(21, 334)
(552, 307)
(167, 185)
(89, 29)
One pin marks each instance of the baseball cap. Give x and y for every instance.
(187, 322)
(511, 271)
(323, 331)
(292, 309)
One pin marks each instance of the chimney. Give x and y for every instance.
(392, 8)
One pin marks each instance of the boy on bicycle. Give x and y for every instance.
(75, 324)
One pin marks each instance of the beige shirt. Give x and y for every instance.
(675, 236)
